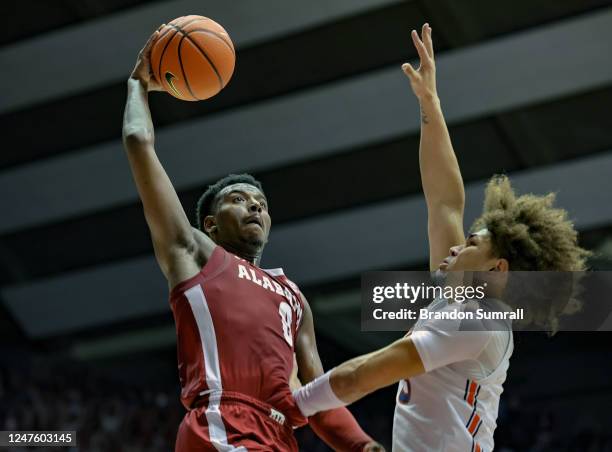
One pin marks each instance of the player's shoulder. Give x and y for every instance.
(279, 273)
(293, 285)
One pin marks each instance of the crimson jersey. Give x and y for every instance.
(236, 329)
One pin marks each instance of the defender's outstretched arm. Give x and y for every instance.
(171, 231)
(422, 351)
(360, 376)
(440, 174)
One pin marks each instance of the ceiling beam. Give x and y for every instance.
(99, 52)
(317, 250)
(508, 73)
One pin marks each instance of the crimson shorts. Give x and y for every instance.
(234, 422)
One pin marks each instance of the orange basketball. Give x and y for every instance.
(193, 58)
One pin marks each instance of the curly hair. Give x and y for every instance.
(532, 235)
(528, 231)
(207, 202)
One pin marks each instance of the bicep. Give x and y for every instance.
(306, 353)
(444, 230)
(438, 348)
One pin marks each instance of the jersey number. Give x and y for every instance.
(285, 312)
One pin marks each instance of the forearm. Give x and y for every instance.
(364, 374)
(337, 388)
(360, 376)
(137, 122)
(440, 173)
(349, 381)
(339, 429)
(170, 229)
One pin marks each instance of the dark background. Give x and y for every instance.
(320, 112)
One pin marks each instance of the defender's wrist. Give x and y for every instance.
(429, 99)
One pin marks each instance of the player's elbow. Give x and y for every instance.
(136, 137)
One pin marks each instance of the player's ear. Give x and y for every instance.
(502, 265)
(210, 224)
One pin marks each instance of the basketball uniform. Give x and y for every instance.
(454, 405)
(236, 329)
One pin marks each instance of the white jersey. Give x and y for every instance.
(454, 405)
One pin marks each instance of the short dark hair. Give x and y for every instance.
(206, 203)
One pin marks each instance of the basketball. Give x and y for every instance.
(193, 58)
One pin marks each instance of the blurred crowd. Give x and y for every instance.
(547, 430)
(107, 415)
(119, 416)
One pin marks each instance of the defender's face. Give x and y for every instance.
(242, 216)
(475, 255)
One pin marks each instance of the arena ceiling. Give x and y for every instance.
(318, 110)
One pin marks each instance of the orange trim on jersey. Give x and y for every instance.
(472, 389)
(472, 393)
(473, 424)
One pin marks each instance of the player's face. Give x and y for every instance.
(242, 218)
(476, 254)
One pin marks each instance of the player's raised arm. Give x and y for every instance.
(336, 427)
(440, 174)
(174, 239)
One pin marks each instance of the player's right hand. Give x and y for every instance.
(423, 79)
(142, 70)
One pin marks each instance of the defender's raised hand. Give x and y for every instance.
(423, 79)
(142, 70)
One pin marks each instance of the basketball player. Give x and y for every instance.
(238, 325)
(450, 381)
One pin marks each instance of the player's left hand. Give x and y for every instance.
(373, 447)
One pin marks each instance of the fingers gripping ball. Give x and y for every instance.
(193, 58)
